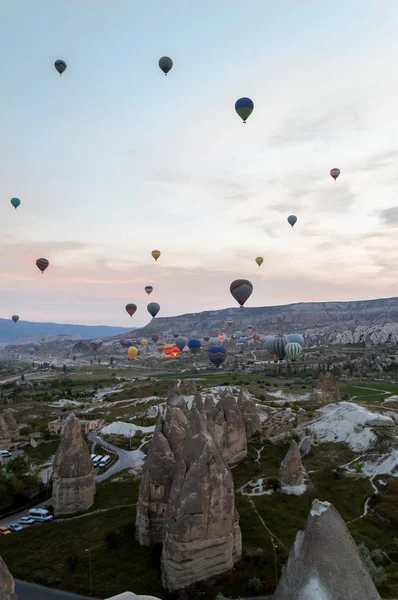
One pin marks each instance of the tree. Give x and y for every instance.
(23, 377)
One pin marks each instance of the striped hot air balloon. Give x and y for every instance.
(148, 289)
(131, 309)
(241, 290)
(42, 264)
(217, 355)
(293, 350)
(279, 347)
(168, 350)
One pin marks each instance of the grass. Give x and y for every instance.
(42, 453)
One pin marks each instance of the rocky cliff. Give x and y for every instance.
(11, 423)
(6, 583)
(5, 437)
(326, 390)
(226, 425)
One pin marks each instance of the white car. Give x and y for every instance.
(5, 453)
(26, 521)
(15, 527)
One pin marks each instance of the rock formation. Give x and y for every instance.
(326, 390)
(5, 437)
(6, 583)
(199, 405)
(158, 471)
(209, 403)
(227, 428)
(11, 423)
(250, 414)
(324, 562)
(73, 476)
(202, 536)
(291, 472)
(305, 446)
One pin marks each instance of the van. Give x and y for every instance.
(40, 514)
(97, 460)
(104, 461)
(92, 456)
(5, 453)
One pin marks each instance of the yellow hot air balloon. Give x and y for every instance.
(155, 254)
(144, 342)
(132, 352)
(259, 260)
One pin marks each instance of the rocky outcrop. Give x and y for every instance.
(291, 472)
(324, 562)
(202, 535)
(7, 588)
(326, 390)
(305, 446)
(199, 405)
(73, 475)
(250, 414)
(209, 403)
(11, 423)
(5, 437)
(227, 428)
(159, 470)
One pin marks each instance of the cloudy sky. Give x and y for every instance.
(113, 159)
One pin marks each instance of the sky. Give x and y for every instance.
(113, 159)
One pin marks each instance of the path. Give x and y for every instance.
(32, 591)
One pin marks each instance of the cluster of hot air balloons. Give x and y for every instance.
(280, 347)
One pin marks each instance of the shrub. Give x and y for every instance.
(378, 556)
(254, 585)
(377, 573)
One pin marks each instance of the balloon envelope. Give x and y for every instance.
(155, 338)
(292, 220)
(244, 107)
(206, 338)
(131, 308)
(36, 346)
(221, 337)
(256, 337)
(217, 355)
(194, 345)
(269, 343)
(166, 64)
(241, 290)
(60, 65)
(335, 173)
(144, 342)
(148, 289)
(168, 350)
(295, 337)
(31, 350)
(153, 309)
(259, 260)
(155, 254)
(132, 352)
(15, 318)
(42, 264)
(181, 342)
(279, 347)
(15, 202)
(293, 350)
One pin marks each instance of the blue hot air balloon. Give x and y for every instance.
(15, 318)
(295, 337)
(194, 345)
(217, 355)
(15, 202)
(244, 107)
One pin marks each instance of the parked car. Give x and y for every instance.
(4, 530)
(5, 453)
(26, 521)
(15, 527)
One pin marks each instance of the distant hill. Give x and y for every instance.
(362, 321)
(12, 333)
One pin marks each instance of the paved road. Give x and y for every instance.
(31, 591)
(127, 458)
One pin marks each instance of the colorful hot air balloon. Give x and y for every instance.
(149, 289)
(194, 345)
(279, 347)
(292, 220)
(217, 355)
(293, 350)
(244, 107)
(259, 260)
(144, 342)
(241, 290)
(155, 254)
(42, 264)
(295, 337)
(176, 350)
(153, 308)
(60, 65)
(132, 352)
(221, 337)
(335, 173)
(181, 342)
(131, 308)
(168, 350)
(166, 64)
(15, 202)
(15, 318)
(155, 338)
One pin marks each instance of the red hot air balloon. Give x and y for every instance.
(149, 289)
(42, 264)
(335, 173)
(131, 308)
(241, 290)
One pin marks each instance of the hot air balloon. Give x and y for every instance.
(36, 346)
(249, 328)
(149, 289)
(221, 337)
(175, 335)
(15, 318)
(176, 350)
(131, 308)
(194, 345)
(42, 264)
(155, 338)
(132, 352)
(168, 350)
(153, 308)
(293, 350)
(335, 173)
(15, 202)
(244, 107)
(269, 343)
(165, 334)
(279, 347)
(206, 338)
(31, 350)
(155, 254)
(160, 346)
(241, 290)
(96, 345)
(60, 65)
(259, 260)
(217, 355)
(256, 337)
(292, 220)
(295, 337)
(181, 342)
(194, 334)
(144, 343)
(166, 64)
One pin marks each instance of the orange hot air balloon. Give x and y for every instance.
(132, 352)
(176, 350)
(168, 350)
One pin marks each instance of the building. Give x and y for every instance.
(57, 427)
